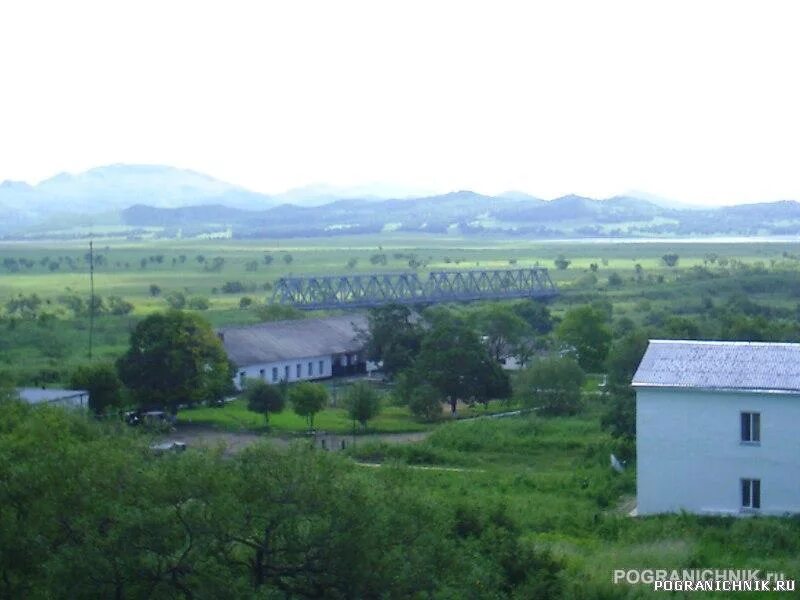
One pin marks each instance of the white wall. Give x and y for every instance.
(690, 455)
(254, 371)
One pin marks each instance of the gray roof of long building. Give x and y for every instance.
(37, 395)
(287, 340)
(746, 366)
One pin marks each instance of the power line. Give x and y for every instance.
(91, 297)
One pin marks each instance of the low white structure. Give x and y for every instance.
(298, 350)
(717, 428)
(54, 397)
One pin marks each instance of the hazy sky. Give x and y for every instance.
(697, 101)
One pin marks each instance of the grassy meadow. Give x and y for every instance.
(44, 350)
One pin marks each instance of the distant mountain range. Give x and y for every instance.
(146, 200)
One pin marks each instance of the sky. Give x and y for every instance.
(695, 101)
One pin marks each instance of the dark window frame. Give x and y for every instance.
(751, 493)
(750, 427)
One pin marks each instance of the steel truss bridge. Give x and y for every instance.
(376, 289)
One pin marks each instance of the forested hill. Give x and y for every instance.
(134, 199)
(467, 213)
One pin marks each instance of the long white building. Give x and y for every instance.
(297, 350)
(718, 428)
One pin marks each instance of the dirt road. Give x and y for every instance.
(232, 441)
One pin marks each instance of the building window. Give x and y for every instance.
(286, 372)
(274, 374)
(321, 368)
(261, 373)
(751, 493)
(751, 427)
(310, 369)
(299, 368)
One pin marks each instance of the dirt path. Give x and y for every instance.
(234, 441)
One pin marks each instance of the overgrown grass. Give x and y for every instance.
(554, 477)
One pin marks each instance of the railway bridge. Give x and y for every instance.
(377, 289)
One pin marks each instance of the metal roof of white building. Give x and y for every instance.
(749, 366)
(288, 340)
(39, 395)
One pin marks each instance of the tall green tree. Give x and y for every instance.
(619, 417)
(102, 383)
(362, 402)
(670, 259)
(455, 362)
(502, 328)
(553, 385)
(264, 398)
(536, 315)
(624, 357)
(175, 358)
(585, 329)
(393, 337)
(308, 399)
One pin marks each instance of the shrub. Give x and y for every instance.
(362, 402)
(233, 287)
(553, 385)
(198, 303)
(118, 306)
(176, 300)
(425, 403)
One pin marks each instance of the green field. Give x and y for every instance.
(45, 349)
(234, 416)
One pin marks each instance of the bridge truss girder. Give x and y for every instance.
(376, 289)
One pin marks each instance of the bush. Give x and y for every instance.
(176, 300)
(102, 383)
(362, 402)
(553, 385)
(278, 312)
(264, 399)
(562, 263)
(118, 306)
(425, 403)
(198, 303)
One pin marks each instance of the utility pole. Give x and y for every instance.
(91, 297)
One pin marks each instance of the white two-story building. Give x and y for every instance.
(718, 428)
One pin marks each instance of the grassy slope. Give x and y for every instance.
(554, 477)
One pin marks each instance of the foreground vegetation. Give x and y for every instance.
(89, 511)
(554, 478)
(522, 507)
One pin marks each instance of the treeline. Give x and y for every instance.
(89, 511)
